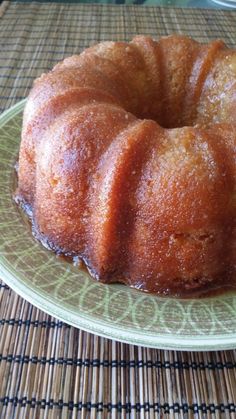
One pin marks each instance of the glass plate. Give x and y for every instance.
(113, 311)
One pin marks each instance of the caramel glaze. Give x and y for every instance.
(220, 286)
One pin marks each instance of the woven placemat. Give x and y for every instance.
(47, 368)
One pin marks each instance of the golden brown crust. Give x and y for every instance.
(148, 206)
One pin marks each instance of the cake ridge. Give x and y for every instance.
(199, 74)
(122, 162)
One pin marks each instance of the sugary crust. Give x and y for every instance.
(128, 160)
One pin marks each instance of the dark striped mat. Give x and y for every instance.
(47, 368)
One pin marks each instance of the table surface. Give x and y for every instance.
(208, 4)
(47, 368)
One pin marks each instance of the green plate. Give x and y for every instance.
(113, 311)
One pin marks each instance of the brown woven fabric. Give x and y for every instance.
(49, 369)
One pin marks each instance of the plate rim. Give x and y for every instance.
(91, 325)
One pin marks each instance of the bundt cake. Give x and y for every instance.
(128, 162)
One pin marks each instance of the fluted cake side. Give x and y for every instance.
(128, 161)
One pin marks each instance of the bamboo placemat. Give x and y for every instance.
(47, 368)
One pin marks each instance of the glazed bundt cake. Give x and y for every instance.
(128, 162)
